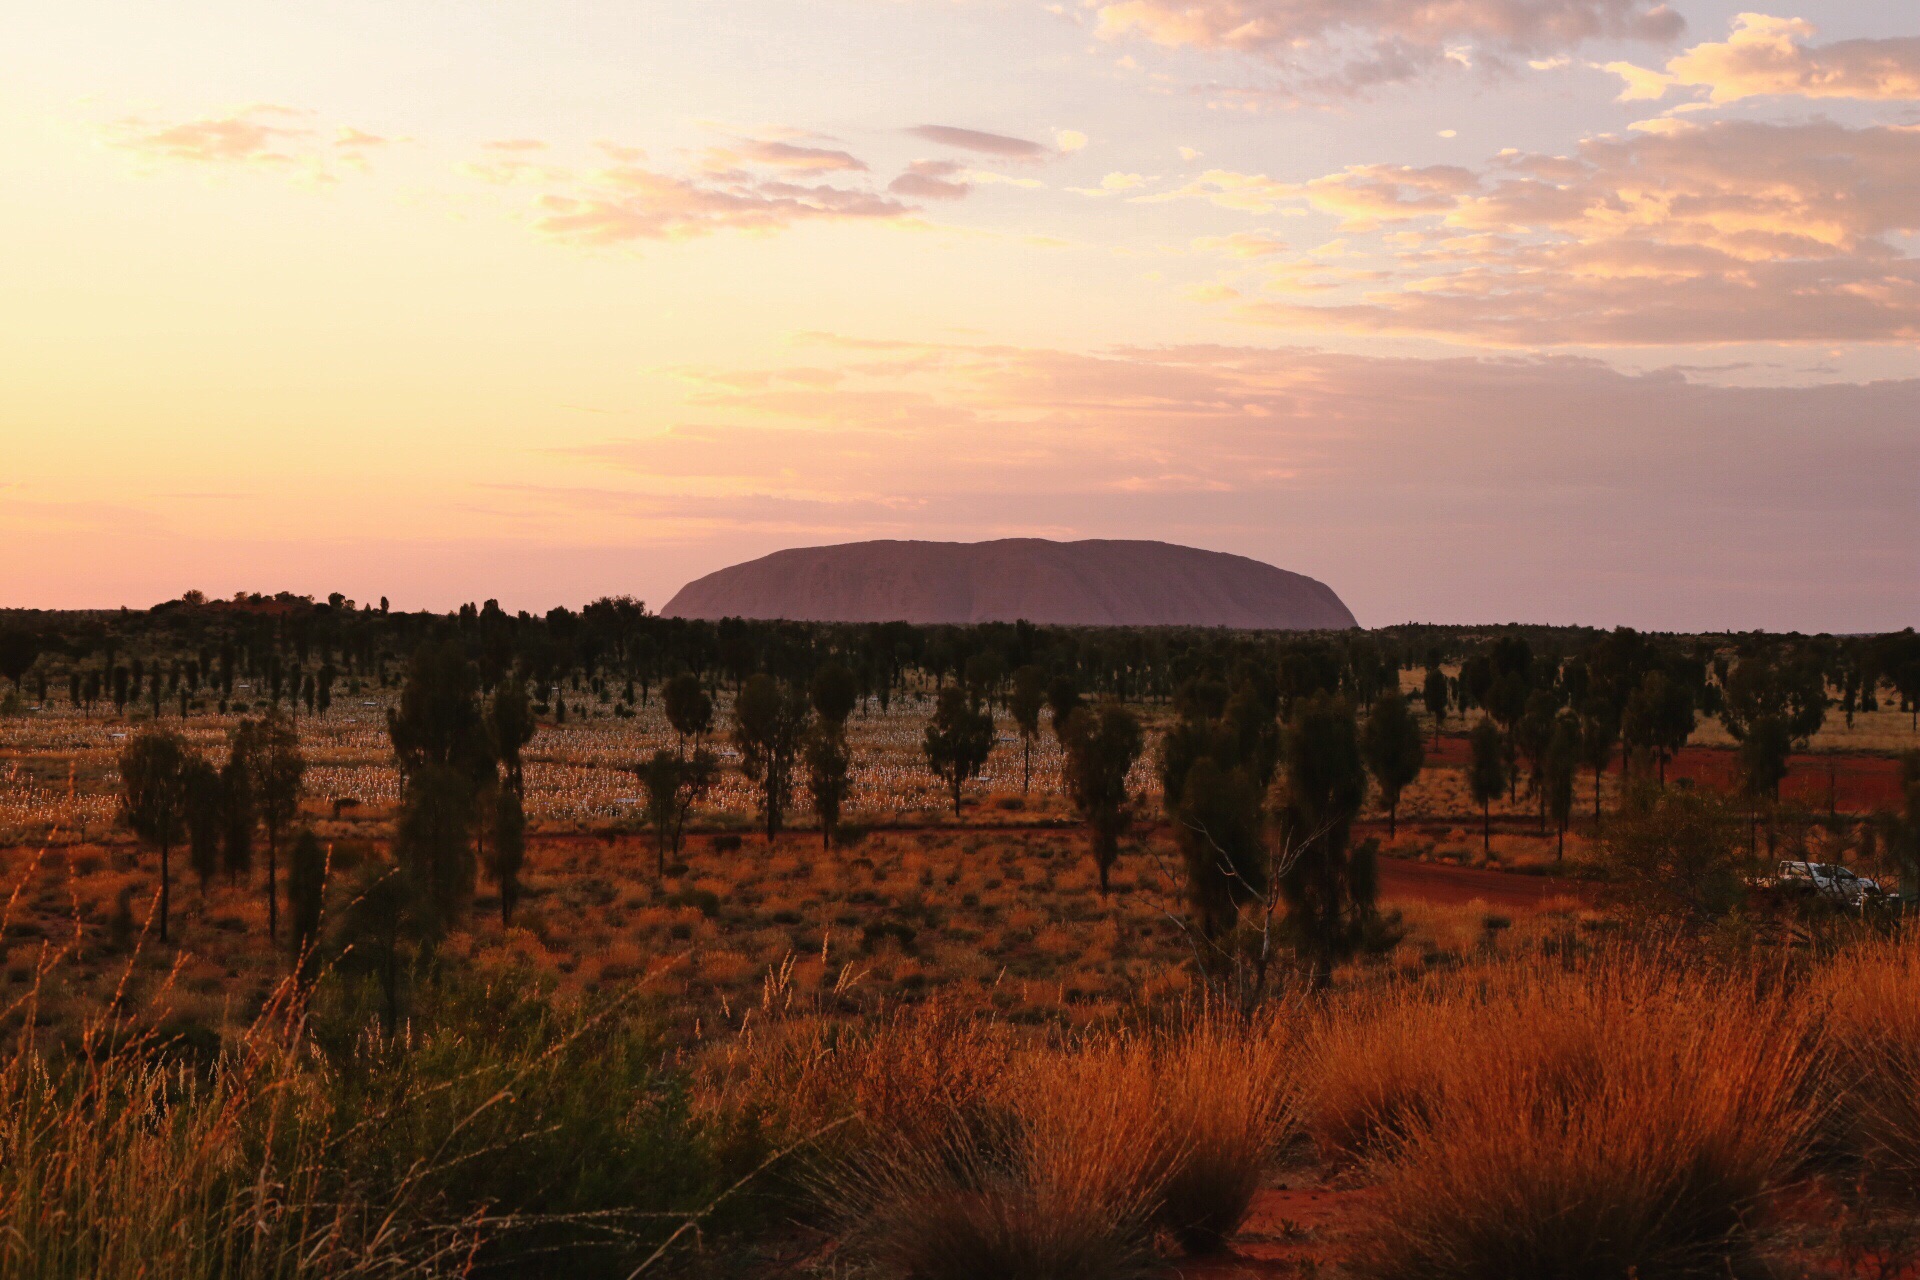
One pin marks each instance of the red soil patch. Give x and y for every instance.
(1290, 1232)
(1856, 782)
(1450, 885)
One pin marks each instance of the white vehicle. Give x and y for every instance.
(1831, 879)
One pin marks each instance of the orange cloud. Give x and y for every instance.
(1733, 231)
(1768, 56)
(266, 136)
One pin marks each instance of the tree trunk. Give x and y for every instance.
(1393, 808)
(1486, 829)
(166, 888)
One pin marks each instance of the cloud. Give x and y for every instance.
(992, 144)
(1350, 45)
(1069, 140)
(1769, 56)
(266, 136)
(1468, 489)
(747, 184)
(932, 180)
(1113, 184)
(1734, 231)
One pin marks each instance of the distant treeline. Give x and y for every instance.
(295, 649)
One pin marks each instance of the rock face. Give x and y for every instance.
(1092, 583)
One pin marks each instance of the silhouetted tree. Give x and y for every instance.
(1433, 692)
(1329, 888)
(279, 774)
(507, 851)
(433, 843)
(958, 740)
(674, 784)
(510, 727)
(200, 784)
(689, 709)
(1598, 730)
(1658, 719)
(19, 650)
(1101, 745)
(1486, 773)
(239, 810)
(1063, 696)
(829, 774)
(1026, 702)
(1395, 752)
(768, 724)
(1562, 764)
(833, 693)
(153, 798)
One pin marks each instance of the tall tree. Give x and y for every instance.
(1486, 773)
(689, 709)
(1063, 696)
(19, 649)
(1101, 745)
(1328, 886)
(510, 727)
(1028, 699)
(239, 808)
(829, 774)
(1395, 752)
(958, 740)
(1562, 764)
(769, 722)
(153, 798)
(1433, 692)
(1216, 762)
(279, 773)
(674, 784)
(200, 784)
(1658, 719)
(507, 850)
(1599, 728)
(433, 842)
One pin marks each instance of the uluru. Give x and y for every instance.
(1096, 582)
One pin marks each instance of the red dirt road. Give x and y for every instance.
(1445, 883)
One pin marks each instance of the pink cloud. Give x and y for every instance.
(266, 136)
(1771, 56)
(1354, 44)
(992, 144)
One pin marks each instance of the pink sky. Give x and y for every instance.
(1591, 311)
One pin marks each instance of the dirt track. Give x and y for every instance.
(1444, 883)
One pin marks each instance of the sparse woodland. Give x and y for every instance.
(346, 942)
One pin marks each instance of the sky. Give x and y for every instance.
(1559, 311)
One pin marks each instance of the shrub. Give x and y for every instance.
(1623, 1123)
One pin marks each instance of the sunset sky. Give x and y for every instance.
(1599, 311)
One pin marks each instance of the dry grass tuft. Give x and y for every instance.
(1870, 997)
(1618, 1122)
(1225, 1098)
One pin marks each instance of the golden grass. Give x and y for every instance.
(1619, 1121)
(1870, 998)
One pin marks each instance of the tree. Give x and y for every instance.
(1562, 764)
(306, 900)
(239, 812)
(510, 727)
(958, 740)
(1101, 745)
(1433, 692)
(1598, 730)
(439, 722)
(19, 649)
(1029, 697)
(433, 843)
(1216, 762)
(1532, 736)
(153, 798)
(1486, 773)
(380, 924)
(689, 709)
(279, 774)
(833, 692)
(201, 787)
(674, 784)
(768, 724)
(829, 775)
(1395, 752)
(507, 851)
(1329, 893)
(1063, 696)
(1658, 719)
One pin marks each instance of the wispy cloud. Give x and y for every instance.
(266, 136)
